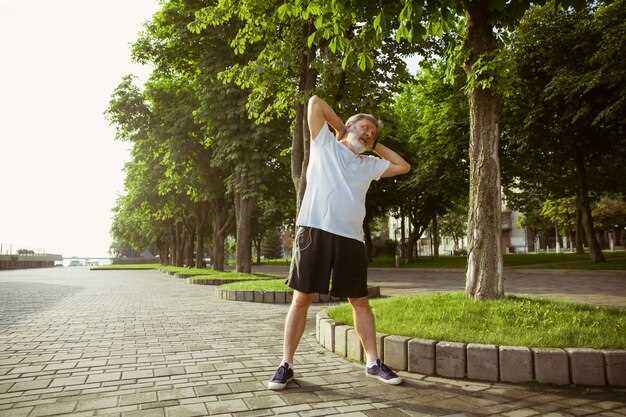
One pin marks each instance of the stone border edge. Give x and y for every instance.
(483, 362)
(279, 297)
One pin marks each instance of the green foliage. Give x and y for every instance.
(513, 321)
(433, 120)
(561, 212)
(555, 105)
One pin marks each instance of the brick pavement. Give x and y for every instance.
(85, 343)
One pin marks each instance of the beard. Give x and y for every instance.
(355, 143)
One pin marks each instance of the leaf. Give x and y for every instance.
(282, 10)
(333, 45)
(362, 60)
(311, 39)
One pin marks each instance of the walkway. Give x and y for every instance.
(138, 343)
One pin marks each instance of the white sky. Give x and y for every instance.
(60, 168)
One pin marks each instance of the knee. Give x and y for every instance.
(361, 303)
(301, 300)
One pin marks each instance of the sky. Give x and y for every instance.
(61, 169)
(60, 166)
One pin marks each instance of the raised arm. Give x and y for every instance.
(398, 164)
(318, 113)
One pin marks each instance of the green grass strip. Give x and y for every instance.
(259, 285)
(614, 261)
(516, 321)
(123, 266)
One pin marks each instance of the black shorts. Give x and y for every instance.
(316, 253)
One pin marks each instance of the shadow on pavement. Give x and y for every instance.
(20, 300)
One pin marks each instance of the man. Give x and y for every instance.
(329, 232)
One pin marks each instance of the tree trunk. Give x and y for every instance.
(582, 202)
(257, 245)
(484, 262)
(180, 243)
(244, 208)
(221, 223)
(200, 226)
(402, 236)
(435, 235)
(301, 137)
(580, 244)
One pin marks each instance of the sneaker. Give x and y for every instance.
(281, 378)
(383, 373)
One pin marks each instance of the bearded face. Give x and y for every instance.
(355, 142)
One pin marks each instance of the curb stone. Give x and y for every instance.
(277, 297)
(512, 364)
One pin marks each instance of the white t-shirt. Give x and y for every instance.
(337, 181)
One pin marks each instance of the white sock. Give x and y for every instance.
(371, 363)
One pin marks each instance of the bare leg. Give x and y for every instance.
(294, 323)
(364, 325)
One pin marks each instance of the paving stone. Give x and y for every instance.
(482, 361)
(279, 297)
(516, 364)
(138, 398)
(268, 297)
(380, 346)
(323, 314)
(175, 394)
(450, 359)
(327, 334)
(96, 403)
(421, 356)
(341, 340)
(354, 346)
(551, 366)
(226, 406)
(109, 376)
(267, 401)
(587, 366)
(395, 348)
(72, 380)
(187, 410)
(146, 373)
(212, 389)
(169, 371)
(615, 361)
(30, 385)
(16, 412)
(158, 412)
(59, 407)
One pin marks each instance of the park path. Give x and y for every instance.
(85, 343)
(593, 287)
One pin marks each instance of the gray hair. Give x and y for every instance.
(361, 116)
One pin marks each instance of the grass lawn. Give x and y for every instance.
(277, 261)
(229, 276)
(516, 321)
(259, 285)
(615, 261)
(128, 266)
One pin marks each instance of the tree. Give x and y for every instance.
(561, 136)
(432, 120)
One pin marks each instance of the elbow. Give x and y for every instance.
(314, 99)
(406, 168)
